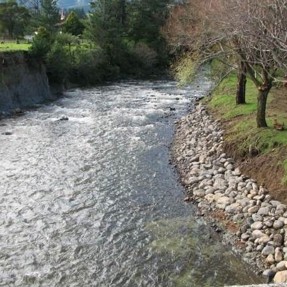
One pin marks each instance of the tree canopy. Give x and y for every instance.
(49, 14)
(13, 18)
(126, 34)
(73, 25)
(240, 33)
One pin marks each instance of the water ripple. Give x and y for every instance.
(92, 201)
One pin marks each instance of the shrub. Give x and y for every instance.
(91, 66)
(58, 63)
(145, 55)
(41, 43)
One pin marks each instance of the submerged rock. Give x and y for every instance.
(63, 118)
(7, 133)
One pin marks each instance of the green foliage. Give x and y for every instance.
(58, 63)
(73, 25)
(241, 118)
(67, 39)
(41, 44)
(184, 69)
(224, 98)
(118, 38)
(145, 56)
(13, 18)
(49, 15)
(284, 179)
(129, 33)
(104, 26)
(90, 66)
(146, 17)
(79, 12)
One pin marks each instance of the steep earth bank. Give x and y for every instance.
(23, 82)
(246, 212)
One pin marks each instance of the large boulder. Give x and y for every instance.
(280, 277)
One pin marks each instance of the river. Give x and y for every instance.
(93, 200)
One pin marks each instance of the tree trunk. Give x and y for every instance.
(261, 107)
(122, 12)
(241, 84)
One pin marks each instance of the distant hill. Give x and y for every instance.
(68, 4)
(63, 4)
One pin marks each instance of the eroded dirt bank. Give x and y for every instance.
(23, 82)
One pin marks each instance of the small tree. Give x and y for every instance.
(41, 44)
(58, 63)
(73, 25)
(198, 28)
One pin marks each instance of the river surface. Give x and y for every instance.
(93, 200)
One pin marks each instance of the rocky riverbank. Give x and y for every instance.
(245, 212)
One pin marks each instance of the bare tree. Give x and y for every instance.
(251, 33)
(202, 28)
(260, 36)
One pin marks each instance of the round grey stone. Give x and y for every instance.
(267, 250)
(257, 217)
(278, 224)
(278, 239)
(281, 266)
(257, 225)
(263, 211)
(245, 236)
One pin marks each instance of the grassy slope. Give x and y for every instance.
(241, 133)
(13, 46)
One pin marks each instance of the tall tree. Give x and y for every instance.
(106, 27)
(80, 12)
(106, 23)
(241, 83)
(259, 20)
(146, 18)
(253, 32)
(13, 18)
(197, 28)
(49, 14)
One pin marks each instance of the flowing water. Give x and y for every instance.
(93, 200)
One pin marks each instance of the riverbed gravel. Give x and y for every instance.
(254, 222)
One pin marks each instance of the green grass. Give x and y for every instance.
(241, 132)
(223, 99)
(13, 46)
(241, 119)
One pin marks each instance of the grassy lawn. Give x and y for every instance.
(242, 134)
(241, 119)
(13, 46)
